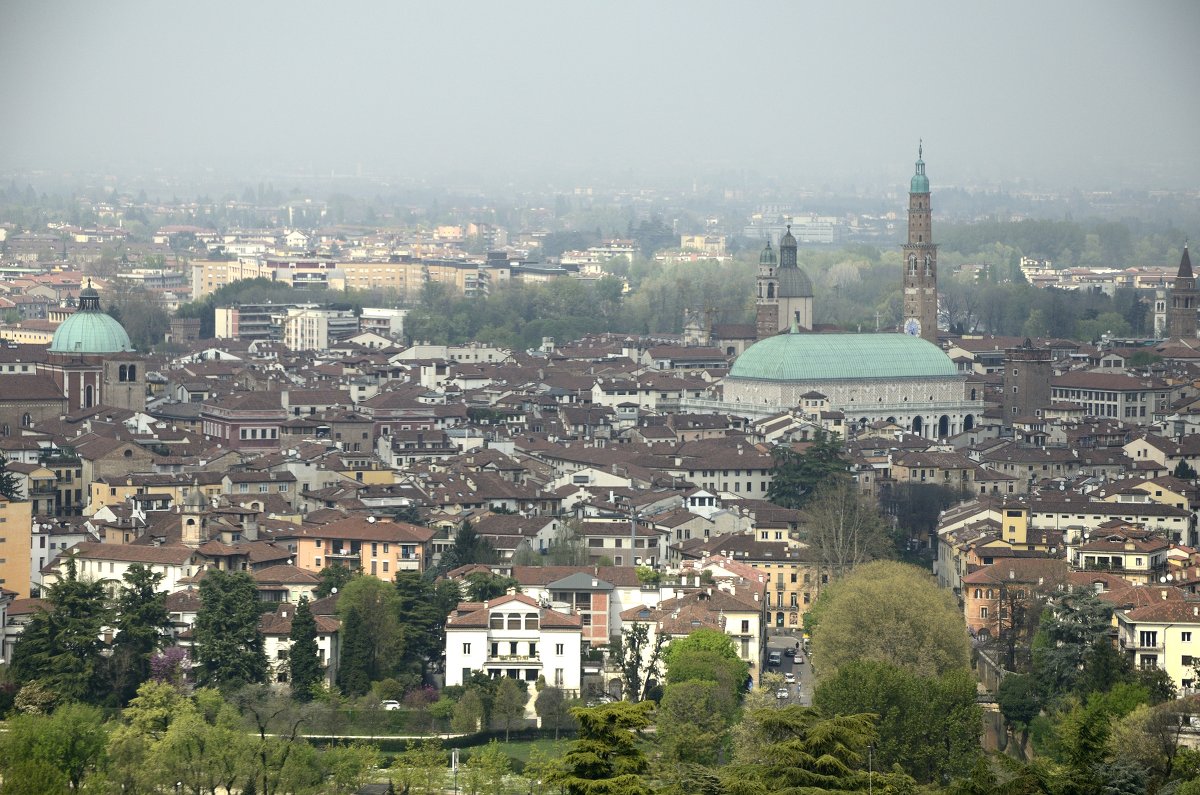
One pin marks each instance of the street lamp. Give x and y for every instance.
(870, 769)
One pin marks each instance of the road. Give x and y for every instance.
(801, 692)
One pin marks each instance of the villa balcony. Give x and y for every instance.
(518, 659)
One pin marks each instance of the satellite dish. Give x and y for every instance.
(333, 590)
(371, 519)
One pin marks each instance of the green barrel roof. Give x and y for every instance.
(836, 357)
(90, 332)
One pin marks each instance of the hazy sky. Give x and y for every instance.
(1090, 93)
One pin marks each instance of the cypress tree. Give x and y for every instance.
(9, 487)
(229, 644)
(142, 625)
(354, 668)
(303, 662)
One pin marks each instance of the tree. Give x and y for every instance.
(485, 772)
(304, 663)
(379, 628)
(539, 770)
(143, 627)
(351, 766)
(1083, 734)
(468, 713)
(482, 586)
(1183, 471)
(421, 610)
(354, 666)
(928, 725)
(845, 528)
(797, 475)
(893, 613)
(639, 660)
(228, 642)
(333, 578)
(61, 647)
(693, 718)
(468, 547)
(1147, 738)
(1070, 627)
(567, 547)
(800, 749)
(284, 762)
(552, 708)
(607, 758)
(916, 508)
(38, 749)
(10, 487)
(508, 708)
(1018, 699)
(708, 655)
(421, 768)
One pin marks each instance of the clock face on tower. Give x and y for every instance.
(912, 327)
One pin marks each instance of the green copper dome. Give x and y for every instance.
(767, 257)
(90, 330)
(836, 357)
(920, 182)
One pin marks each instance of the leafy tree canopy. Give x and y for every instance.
(797, 475)
(893, 613)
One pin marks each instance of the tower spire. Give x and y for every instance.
(920, 258)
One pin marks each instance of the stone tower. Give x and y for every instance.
(766, 303)
(191, 521)
(920, 260)
(1026, 382)
(785, 293)
(1181, 317)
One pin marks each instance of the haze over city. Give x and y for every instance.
(1089, 95)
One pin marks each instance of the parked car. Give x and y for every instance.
(800, 659)
(389, 705)
(790, 651)
(774, 658)
(782, 693)
(790, 678)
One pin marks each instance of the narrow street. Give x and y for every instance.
(802, 691)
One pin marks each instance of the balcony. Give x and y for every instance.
(344, 554)
(523, 659)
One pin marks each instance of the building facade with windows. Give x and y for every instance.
(1163, 634)
(378, 547)
(516, 637)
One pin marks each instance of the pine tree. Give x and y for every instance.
(304, 664)
(9, 487)
(229, 644)
(143, 627)
(354, 676)
(61, 647)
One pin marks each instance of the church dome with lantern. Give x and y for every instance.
(90, 330)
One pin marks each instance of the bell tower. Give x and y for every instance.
(920, 260)
(1181, 317)
(766, 302)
